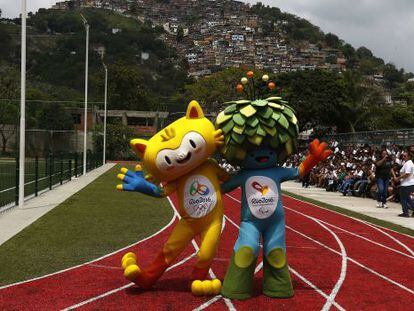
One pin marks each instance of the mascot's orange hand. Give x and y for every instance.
(317, 153)
(319, 150)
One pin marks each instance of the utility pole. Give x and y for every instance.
(85, 117)
(22, 145)
(105, 110)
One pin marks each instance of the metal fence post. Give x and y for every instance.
(76, 165)
(17, 181)
(83, 163)
(36, 175)
(50, 171)
(70, 169)
(61, 171)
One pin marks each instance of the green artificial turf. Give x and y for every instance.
(353, 214)
(93, 222)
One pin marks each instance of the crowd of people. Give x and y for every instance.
(384, 173)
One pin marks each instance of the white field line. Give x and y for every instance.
(391, 237)
(351, 259)
(208, 303)
(108, 293)
(352, 233)
(330, 300)
(214, 299)
(342, 275)
(356, 219)
(354, 261)
(227, 301)
(95, 260)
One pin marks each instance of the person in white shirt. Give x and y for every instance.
(407, 182)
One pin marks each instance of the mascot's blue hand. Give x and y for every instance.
(135, 181)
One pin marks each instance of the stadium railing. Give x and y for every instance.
(41, 174)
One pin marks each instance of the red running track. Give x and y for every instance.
(336, 262)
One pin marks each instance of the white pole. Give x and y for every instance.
(105, 112)
(85, 117)
(22, 107)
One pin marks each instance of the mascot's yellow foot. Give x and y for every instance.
(128, 259)
(206, 287)
(131, 272)
(129, 264)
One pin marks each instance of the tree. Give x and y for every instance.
(180, 34)
(214, 90)
(363, 52)
(392, 75)
(332, 41)
(9, 89)
(118, 137)
(8, 118)
(55, 117)
(127, 90)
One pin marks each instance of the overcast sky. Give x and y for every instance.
(384, 26)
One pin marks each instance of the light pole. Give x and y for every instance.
(105, 110)
(85, 117)
(22, 143)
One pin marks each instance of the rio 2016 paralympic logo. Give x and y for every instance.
(262, 189)
(200, 189)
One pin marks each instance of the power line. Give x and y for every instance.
(48, 101)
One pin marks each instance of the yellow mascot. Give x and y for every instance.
(177, 159)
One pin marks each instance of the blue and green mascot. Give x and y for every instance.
(260, 133)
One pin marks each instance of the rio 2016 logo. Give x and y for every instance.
(262, 189)
(200, 189)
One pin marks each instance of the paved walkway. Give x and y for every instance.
(16, 219)
(364, 206)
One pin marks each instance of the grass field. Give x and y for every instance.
(91, 223)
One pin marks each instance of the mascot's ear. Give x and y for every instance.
(139, 146)
(194, 111)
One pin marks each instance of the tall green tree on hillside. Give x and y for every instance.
(9, 117)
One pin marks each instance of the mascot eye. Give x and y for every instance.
(193, 144)
(168, 160)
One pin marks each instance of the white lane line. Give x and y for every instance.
(314, 287)
(354, 261)
(342, 275)
(214, 299)
(349, 258)
(391, 237)
(208, 303)
(80, 304)
(356, 219)
(97, 259)
(352, 233)
(227, 301)
(105, 267)
(330, 300)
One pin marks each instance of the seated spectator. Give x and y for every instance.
(331, 180)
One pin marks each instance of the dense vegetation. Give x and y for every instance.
(342, 100)
(56, 53)
(56, 56)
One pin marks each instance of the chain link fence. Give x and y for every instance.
(54, 147)
(403, 137)
(41, 174)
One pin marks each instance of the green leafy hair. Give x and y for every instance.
(249, 124)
